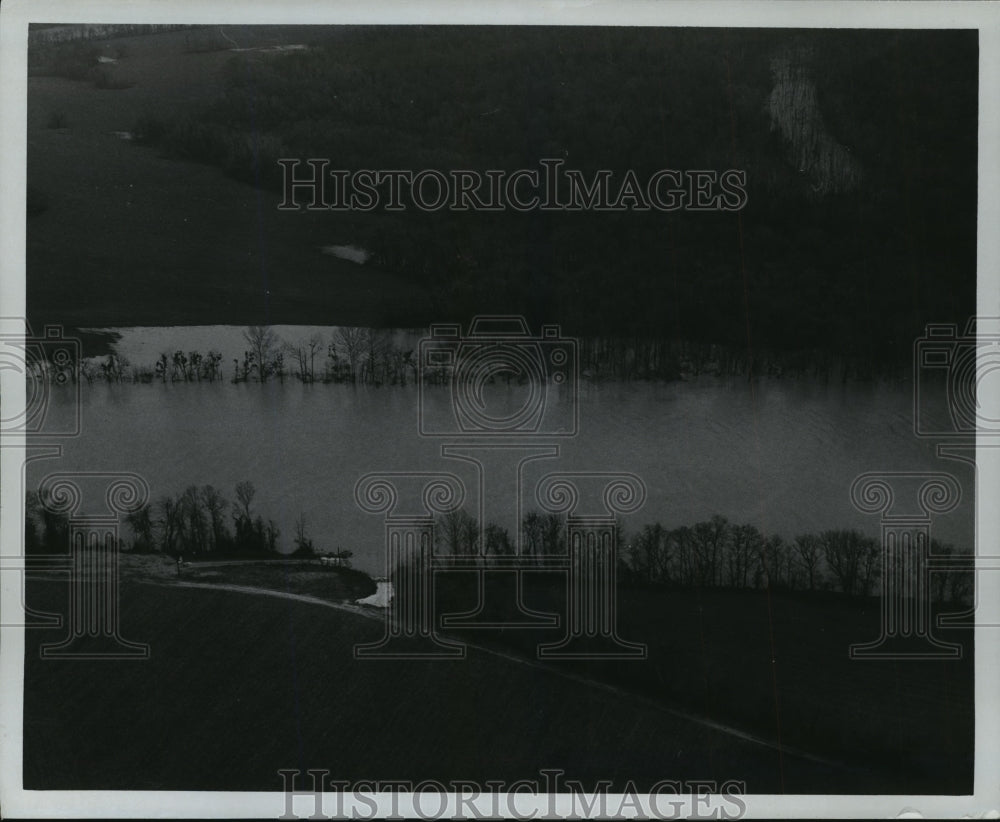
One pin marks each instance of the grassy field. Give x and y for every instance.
(777, 666)
(131, 238)
(240, 685)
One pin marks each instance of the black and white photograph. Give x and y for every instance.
(555, 411)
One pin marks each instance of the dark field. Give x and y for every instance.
(778, 666)
(131, 238)
(119, 235)
(240, 685)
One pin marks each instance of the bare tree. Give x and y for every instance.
(141, 522)
(553, 534)
(179, 371)
(458, 532)
(379, 347)
(650, 553)
(773, 563)
(215, 506)
(314, 344)
(953, 585)
(271, 534)
(843, 551)
(354, 342)
(682, 539)
(303, 544)
(298, 351)
(304, 351)
(744, 546)
(809, 551)
(939, 579)
(496, 541)
(194, 525)
(245, 493)
(263, 343)
(708, 540)
(532, 529)
(55, 525)
(170, 525)
(871, 565)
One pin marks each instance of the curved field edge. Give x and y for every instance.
(238, 686)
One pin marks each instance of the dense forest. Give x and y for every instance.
(859, 149)
(199, 522)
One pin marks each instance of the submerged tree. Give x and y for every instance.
(354, 342)
(263, 344)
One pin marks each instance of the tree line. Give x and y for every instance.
(201, 522)
(373, 356)
(198, 522)
(714, 553)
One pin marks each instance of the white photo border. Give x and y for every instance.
(15, 17)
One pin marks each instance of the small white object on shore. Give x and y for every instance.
(382, 596)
